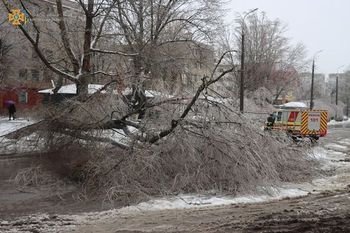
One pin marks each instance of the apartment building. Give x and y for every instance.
(178, 67)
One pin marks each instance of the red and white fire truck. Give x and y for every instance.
(299, 123)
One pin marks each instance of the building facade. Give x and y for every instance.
(22, 73)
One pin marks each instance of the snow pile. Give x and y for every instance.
(149, 93)
(293, 105)
(72, 89)
(119, 135)
(93, 88)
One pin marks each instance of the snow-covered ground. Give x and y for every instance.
(63, 223)
(11, 146)
(23, 145)
(7, 126)
(196, 200)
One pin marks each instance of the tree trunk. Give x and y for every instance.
(85, 78)
(82, 87)
(138, 98)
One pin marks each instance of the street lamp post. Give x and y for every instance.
(312, 85)
(241, 96)
(312, 81)
(336, 85)
(336, 91)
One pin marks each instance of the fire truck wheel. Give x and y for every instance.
(314, 138)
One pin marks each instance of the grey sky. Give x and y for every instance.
(318, 24)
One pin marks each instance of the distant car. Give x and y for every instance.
(345, 118)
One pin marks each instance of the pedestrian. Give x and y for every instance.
(12, 109)
(270, 121)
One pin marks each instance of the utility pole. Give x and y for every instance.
(241, 94)
(336, 91)
(312, 81)
(312, 85)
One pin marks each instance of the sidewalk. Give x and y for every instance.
(7, 126)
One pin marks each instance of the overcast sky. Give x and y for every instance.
(318, 24)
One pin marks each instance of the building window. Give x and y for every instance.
(23, 97)
(23, 74)
(35, 75)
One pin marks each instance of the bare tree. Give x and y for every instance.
(271, 60)
(5, 59)
(284, 76)
(75, 64)
(161, 34)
